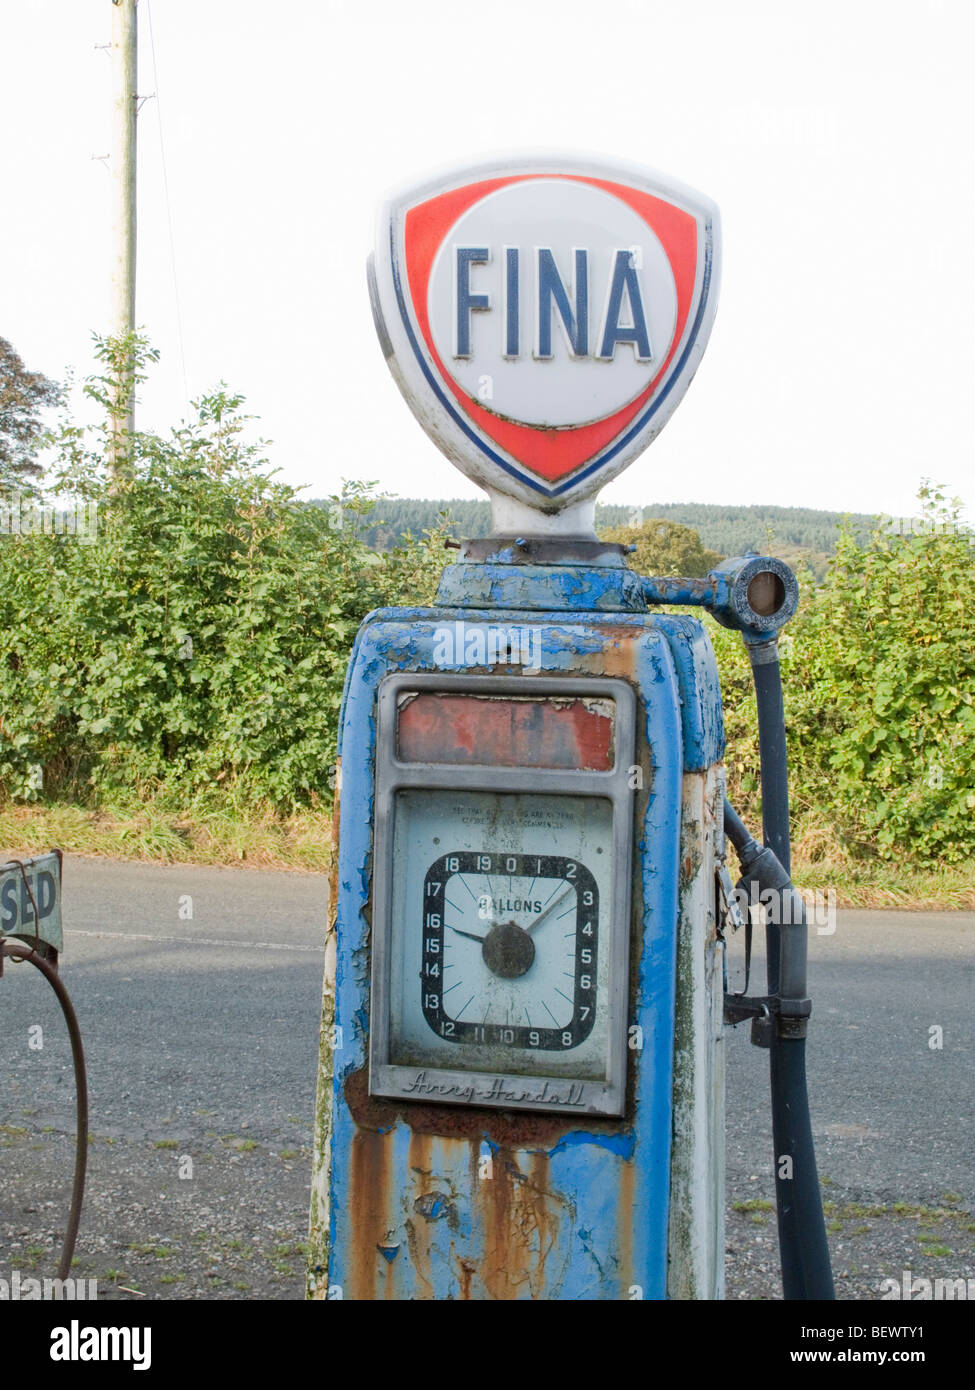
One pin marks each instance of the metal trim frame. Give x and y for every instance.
(577, 1097)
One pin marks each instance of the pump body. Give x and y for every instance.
(419, 1197)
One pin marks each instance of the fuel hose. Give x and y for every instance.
(803, 1248)
(756, 595)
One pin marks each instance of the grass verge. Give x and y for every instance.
(218, 835)
(230, 835)
(822, 860)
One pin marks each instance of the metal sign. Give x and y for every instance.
(543, 315)
(25, 885)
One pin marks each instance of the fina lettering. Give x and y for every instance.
(623, 319)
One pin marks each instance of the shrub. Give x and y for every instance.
(202, 639)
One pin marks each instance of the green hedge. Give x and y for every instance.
(879, 674)
(200, 644)
(201, 641)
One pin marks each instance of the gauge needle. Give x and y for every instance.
(469, 934)
(549, 910)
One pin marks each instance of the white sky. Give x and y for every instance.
(835, 135)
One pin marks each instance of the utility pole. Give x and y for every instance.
(123, 166)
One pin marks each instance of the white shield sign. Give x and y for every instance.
(543, 316)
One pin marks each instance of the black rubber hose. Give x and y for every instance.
(16, 950)
(771, 742)
(803, 1248)
(738, 833)
(767, 678)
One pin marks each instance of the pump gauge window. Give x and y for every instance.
(524, 987)
(502, 892)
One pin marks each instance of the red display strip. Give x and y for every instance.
(498, 731)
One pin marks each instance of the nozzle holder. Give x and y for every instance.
(754, 594)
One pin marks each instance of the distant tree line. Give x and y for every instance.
(726, 529)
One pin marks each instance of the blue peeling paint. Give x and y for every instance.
(540, 588)
(584, 634)
(622, 1144)
(613, 1183)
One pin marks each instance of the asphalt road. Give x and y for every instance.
(201, 1041)
(201, 1034)
(890, 1098)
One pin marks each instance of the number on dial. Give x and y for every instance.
(510, 950)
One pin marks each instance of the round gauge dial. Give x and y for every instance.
(500, 955)
(510, 949)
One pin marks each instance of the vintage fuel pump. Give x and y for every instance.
(521, 1088)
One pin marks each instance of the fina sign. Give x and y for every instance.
(543, 316)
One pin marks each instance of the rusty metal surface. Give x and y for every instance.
(583, 642)
(431, 1201)
(696, 1264)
